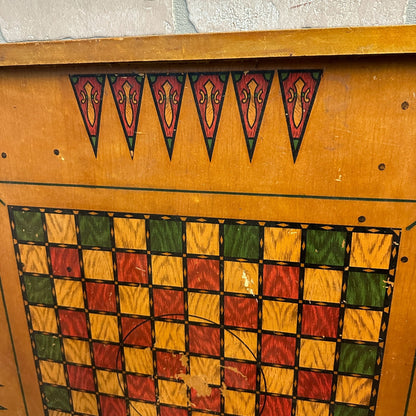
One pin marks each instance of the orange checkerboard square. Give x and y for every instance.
(69, 293)
(85, 403)
(305, 408)
(109, 382)
(317, 354)
(61, 228)
(280, 316)
(170, 336)
(240, 345)
(33, 259)
(134, 300)
(104, 327)
(98, 264)
(52, 373)
(371, 251)
(202, 238)
(167, 271)
(206, 368)
(130, 233)
(239, 403)
(204, 305)
(362, 325)
(43, 319)
(282, 244)
(322, 285)
(278, 380)
(138, 360)
(241, 277)
(354, 390)
(77, 351)
(172, 392)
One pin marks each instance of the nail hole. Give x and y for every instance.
(405, 105)
(404, 259)
(361, 218)
(4, 155)
(68, 269)
(381, 166)
(56, 152)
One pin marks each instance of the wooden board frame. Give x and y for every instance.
(356, 165)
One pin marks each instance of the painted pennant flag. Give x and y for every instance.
(89, 90)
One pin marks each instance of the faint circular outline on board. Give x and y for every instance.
(171, 315)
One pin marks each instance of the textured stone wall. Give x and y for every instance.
(29, 20)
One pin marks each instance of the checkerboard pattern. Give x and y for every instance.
(172, 316)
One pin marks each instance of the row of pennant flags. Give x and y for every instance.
(298, 89)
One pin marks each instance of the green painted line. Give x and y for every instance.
(14, 349)
(3, 203)
(195, 191)
(409, 227)
(412, 376)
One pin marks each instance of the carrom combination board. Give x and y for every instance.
(209, 225)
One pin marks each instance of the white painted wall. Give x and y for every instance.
(29, 20)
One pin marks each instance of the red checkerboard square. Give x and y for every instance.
(281, 281)
(73, 323)
(65, 261)
(101, 297)
(136, 331)
(172, 411)
(132, 267)
(140, 387)
(203, 274)
(169, 364)
(107, 356)
(313, 385)
(211, 402)
(320, 321)
(241, 312)
(204, 340)
(168, 302)
(81, 378)
(281, 406)
(278, 349)
(240, 375)
(112, 406)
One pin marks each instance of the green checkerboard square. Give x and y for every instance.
(241, 241)
(358, 359)
(166, 236)
(29, 226)
(48, 347)
(56, 397)
(342, 410)
(38, 289)
(368, 289)
(325, 247)
(95, 231)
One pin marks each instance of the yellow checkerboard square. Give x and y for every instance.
(317, 354)
(33, 258)
(241, 277)
(52, 373)
(362, 325)
(240, 345)
(98, 264)
(239, 403)
(202, 238)
(323, 285)
(305, 408)
(142, 409)
(104, 327)
(204, 305)
(43, 319)
(282, 244)
(138, 360)
(208, 369)
(130, 233)
(172, 392)
(280, 316)
(278, 380)
(354, 390)
(170, 336)
(61, 228)
(85, 403)
(109, 382)
(167, 271)
(134, 300)
(371, 251)
(77, 351)
(69, 293)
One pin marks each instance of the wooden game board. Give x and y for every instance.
(189, 233)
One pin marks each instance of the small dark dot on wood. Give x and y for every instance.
(361, 218)
(405, 105)
(56, 152)
(4, 155)
(404, 259)
(68, 269)
(381, 166)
